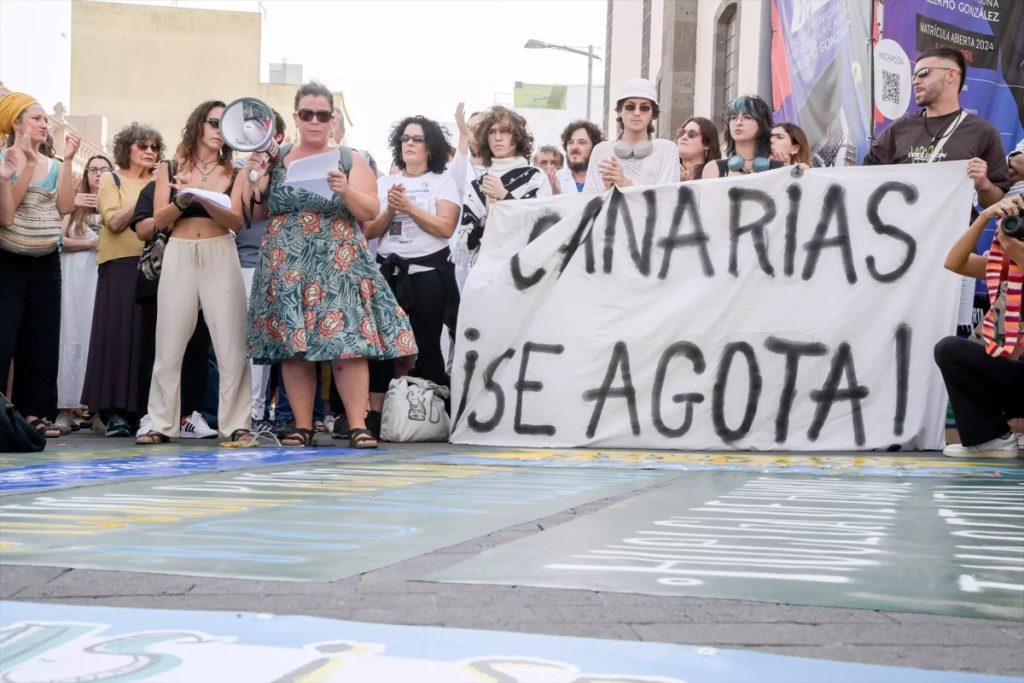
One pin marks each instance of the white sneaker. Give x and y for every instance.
(195, 427)
(1000, 447)
(145, 425)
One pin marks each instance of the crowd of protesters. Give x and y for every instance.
(302, 297)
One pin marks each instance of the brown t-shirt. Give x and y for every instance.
(911, 138)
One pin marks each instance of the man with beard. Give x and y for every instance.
(578, 139)
(943, 131)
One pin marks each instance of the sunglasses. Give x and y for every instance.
(214, 123)
(689, 134)
(323, 115)
(155, 146)
(418, 139)
(630, 106)
(923, 73)
(98, 169)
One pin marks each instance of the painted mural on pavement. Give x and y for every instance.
(937, 546)
(911, 465)
(52, 643)
(43, 471)
(321, 522)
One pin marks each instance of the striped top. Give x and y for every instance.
(36, 230)
(1002, 272)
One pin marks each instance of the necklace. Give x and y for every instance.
(205, 169)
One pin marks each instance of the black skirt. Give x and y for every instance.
(111, 380)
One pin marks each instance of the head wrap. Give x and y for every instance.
(11, 106)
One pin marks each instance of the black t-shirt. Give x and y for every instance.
(911, 138)
(144, 288)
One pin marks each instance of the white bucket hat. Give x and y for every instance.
(638, 87)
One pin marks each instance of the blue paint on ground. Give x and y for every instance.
(39, 640)
(59, 474)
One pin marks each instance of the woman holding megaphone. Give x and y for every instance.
(317, 294)
(200, 268)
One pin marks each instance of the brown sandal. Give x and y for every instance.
(299, 438)
(151, 438)
(47, 429)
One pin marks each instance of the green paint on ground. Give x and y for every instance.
(323, 521)
(938, 546)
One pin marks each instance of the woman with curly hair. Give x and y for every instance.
(78, 288)
(111, 384)
(505, 146)
(200, 269)
(317, 294)
(697, 140)
(748, 146)
(420, 209)
(35, 191)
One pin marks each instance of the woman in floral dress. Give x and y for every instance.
(317, 294)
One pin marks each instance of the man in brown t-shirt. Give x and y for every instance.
(911, 139)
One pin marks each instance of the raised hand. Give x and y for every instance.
(72, 142)
(86, 200)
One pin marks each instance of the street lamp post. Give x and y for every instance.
(589, 54)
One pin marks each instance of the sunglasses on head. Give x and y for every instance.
(155, 146)
(923, 73)
(412, 138)
(214, 123)
(323, 115)
(631, 106)
(690, 134)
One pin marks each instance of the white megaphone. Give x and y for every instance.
(247, 125)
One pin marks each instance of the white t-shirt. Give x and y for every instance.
(566, 182)
(404, 237)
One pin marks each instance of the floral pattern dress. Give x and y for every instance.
(317, 293)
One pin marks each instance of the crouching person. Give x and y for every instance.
(984, 375)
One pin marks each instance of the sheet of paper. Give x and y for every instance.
(219, 198)
(310, 174)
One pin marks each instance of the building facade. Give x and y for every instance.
(155, 64)
(699, 53)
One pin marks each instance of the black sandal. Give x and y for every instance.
(45, 427)
(362, 438)
(151, 439)
(300, 437)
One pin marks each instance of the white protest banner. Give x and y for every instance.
(777, 311)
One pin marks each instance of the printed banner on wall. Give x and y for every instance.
(990, 34)
(781, 310)
(821, 62)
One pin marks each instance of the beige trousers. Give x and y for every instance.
(201, 273)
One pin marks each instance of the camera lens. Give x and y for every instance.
(1012, 227)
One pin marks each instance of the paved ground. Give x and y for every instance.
(393, 595)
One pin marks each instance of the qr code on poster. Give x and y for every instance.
(890, 86)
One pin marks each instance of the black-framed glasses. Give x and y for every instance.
(689, 134)
(322, 115)
(632, 106)
(924, 71)
(214, 123)
(155, 146)
(98, 169)
(418, 139)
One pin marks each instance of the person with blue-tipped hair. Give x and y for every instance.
(748, 141)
